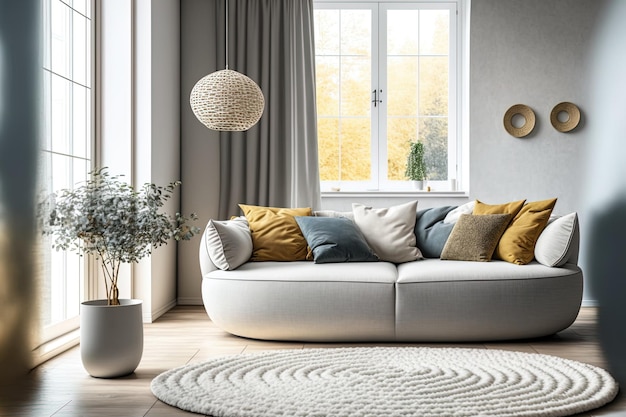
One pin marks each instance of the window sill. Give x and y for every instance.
(408, 193)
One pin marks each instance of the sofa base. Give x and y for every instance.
(375, 302)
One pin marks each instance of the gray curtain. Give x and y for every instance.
(275, 163)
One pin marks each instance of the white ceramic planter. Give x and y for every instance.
(111, 337)
(418, 185)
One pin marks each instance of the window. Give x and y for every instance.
(387, 74)
(66, 148)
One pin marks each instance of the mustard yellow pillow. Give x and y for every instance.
(517, 244)
(511, 208)
(275, 234)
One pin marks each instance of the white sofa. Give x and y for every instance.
(429, 300)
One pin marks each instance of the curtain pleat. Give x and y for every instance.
(274, 163)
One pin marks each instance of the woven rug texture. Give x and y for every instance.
(386, 381)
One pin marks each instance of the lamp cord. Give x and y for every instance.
(226, 34)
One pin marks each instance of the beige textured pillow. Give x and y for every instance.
(389, 231)
(474, 237)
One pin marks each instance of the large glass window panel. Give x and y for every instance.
(66, 144)
(344, 92)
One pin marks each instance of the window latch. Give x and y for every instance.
(376, 99)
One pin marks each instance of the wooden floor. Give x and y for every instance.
(60, 387)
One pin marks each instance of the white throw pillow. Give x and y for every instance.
(454, 215)
(389, 231)
(557, 241)
(229, 242)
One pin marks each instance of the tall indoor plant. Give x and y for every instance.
(107, 218)
(415, 166)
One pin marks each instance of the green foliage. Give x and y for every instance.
(108, 218)
(415, 167)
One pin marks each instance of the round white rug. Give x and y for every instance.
(386, 381)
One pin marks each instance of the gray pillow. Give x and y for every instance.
(430, 230)
(475, 237)
(335, 239)
(229, 242)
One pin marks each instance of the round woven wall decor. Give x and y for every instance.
(227, 100)
(572, 121)
(525, 112)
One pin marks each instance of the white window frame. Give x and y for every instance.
(458, 135)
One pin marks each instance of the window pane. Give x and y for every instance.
(61, 42)
(79, 49)
(327, 32)
(355, 145)
(61, 114)
(81, 121)
(328, 144)
(433, 133)
(356, 81)
(402, 86)
(403, 32)
(356, 32)
(433, 86)
(434, 29)
(327, 85)
(400, 133)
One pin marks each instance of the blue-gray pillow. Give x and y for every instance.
(431, 232)
(335, 240)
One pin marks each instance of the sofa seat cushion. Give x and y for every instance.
(304, 301)
(301, 271)
(434, 270)
(460, 301)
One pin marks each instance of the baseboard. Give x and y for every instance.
(149, 317)
(55, 347)
(590, 303)
(190, 301)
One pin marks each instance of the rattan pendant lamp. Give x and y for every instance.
(227, 100)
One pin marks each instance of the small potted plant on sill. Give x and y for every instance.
(107, 218)
(415, 166)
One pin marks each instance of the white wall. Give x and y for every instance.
(200, 167)
(140, 124)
